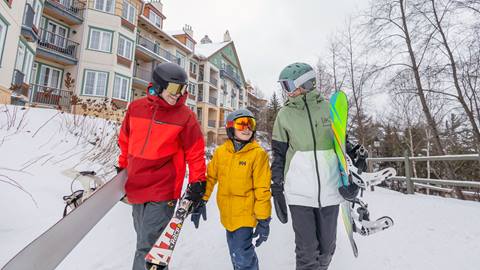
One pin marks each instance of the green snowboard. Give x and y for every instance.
(339, 115)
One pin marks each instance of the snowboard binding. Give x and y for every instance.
(89, 181)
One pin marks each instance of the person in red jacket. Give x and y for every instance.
(158, 137)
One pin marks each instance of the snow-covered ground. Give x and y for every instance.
(429, 232)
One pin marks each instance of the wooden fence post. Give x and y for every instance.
(410, 187)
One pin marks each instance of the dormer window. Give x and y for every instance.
(155, 19)
(190, 44)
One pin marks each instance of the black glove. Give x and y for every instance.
(262, 231)
(118, 169)
(195, 192)
(200, 210)
(279, 202)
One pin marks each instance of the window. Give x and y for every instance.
(128, 12)
(3, 35)
(24, 61)
(120, 87)
(125, 47)
(95, 83)
(56, 34)
(181, 59)
(100, 40)
(192, 88)
(155, 19)
(50, 77)
(37, 7)
(190, 44)
(105, 5)
(193, 67)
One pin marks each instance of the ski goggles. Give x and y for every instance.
(291, 85)
(176, 88)
(242, 123)
(172, 88)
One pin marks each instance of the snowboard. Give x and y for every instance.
(161, 252)
(49, 249)
(339, 118)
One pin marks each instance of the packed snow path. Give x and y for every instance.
(429, 232)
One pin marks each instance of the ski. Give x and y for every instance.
(161, 252)
(49, 249)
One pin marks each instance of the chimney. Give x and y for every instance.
(188, 29)
(205, 40)
(157, 4)
(226, 37)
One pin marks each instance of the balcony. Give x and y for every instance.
(229, 73)
(57, 48)
(69, 11)
(18, 78)
(49, 96)
(214, 81)
(29, 30)
(149, 50)
(212, 123)
(212, 100)
(141, 76)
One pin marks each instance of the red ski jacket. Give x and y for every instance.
(156, 141)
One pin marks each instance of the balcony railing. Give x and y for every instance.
(214, 81)
(212, 123)
(73, 7)
(155, 48)
(64, 46)
(142, 73)
(47, 95)
(28, 16)
(18, 78)
(212, 100)
(228, 72)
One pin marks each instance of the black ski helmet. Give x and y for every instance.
(234, 115)
(165, 73)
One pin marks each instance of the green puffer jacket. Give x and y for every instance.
(304, 158)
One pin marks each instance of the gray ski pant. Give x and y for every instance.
(315, 236)
(149, 220)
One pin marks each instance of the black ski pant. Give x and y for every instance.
(149, 220)
(315, 236)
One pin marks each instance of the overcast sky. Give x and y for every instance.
(268, 34)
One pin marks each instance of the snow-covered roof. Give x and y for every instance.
(175, 32)
(208, 49)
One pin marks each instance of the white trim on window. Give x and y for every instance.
(95, 83)
(129, 11)
(155, 19)
(125, 47)
(3, 36)
(104, 5)
(121, 85)
(100, 40)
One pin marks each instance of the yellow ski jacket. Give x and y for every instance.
(243, 177)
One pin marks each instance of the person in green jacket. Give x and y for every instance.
(305, 172)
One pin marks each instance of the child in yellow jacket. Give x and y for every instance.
(241, 169)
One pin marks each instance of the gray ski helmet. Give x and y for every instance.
(234, 115)
(165, 73)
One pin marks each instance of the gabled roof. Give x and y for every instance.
(209, 49)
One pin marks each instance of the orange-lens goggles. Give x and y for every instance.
(242, 123)
(176, 88)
